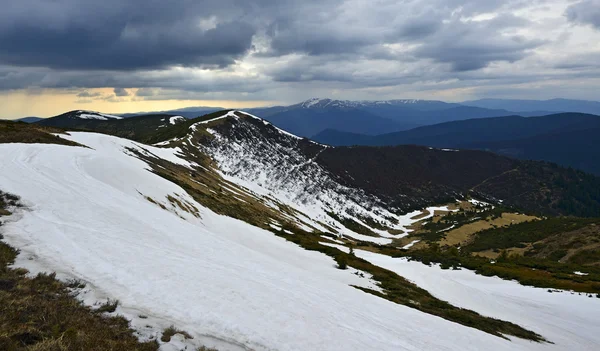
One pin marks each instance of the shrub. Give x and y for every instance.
(170, 331)
(342, 261)
(109, 306)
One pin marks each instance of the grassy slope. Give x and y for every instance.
(147, 129)
(21, 132)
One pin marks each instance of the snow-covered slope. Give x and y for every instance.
(276, 164)
(225, 282)
(568, 319)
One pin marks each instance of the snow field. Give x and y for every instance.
(220, 279)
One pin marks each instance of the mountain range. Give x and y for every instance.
(197, 225)
(569, 139)
(312, 116)
(553, 105)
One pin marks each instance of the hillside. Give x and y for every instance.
(227, 213)
(141, 128)
(567, 138)
(579, 148)
(224, 270)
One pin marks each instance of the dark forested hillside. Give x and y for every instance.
(569, 139)
(412, 172)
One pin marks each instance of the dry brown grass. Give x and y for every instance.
(20, 132)
(463, 234)
(171, 331)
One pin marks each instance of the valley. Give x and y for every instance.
(225, 213)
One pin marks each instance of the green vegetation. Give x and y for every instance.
(41, 313)
(581, 197)
(585, 257)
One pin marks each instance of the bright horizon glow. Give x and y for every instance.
(19, 104)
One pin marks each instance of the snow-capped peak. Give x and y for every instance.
(314, 102)
(323, 103)
(83, 114)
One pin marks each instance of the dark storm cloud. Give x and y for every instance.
(585, 12)
(120, 35)
(150, 46)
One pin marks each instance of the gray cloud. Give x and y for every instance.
(585, 12)
(121, 92)
(118, 35)
(87, 94)
(269, 49)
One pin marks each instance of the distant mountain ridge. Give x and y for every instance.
(568, 139)
(310, 117)
(554, 105)
(138, 128)
(372, 117)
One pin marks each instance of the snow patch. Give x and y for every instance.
(176, 119)
(95, 115)
(412, 243)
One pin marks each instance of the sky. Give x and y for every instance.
(121, 56)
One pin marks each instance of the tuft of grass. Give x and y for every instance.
(109, 306)
(171, 331)
(342, 262)
(75, 284)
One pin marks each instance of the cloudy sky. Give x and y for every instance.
(143, 55)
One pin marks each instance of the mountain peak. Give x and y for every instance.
(85, 114)
(322, 103)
